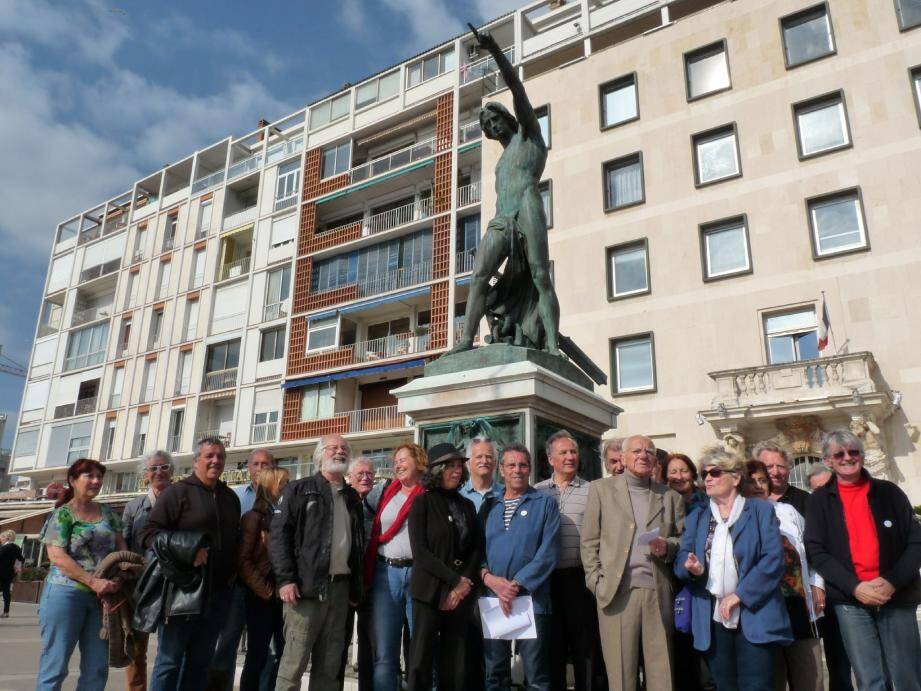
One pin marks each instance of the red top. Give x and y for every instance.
(861, 529)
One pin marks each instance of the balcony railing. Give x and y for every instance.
(285, 202)
(234, 269)
(371, 419)
(384, 164)
(468, 194)
(90, 314)
(84, 406)
(276, 310)
(396, 279)
(276, 152)
(173, 442)
(408, 213)
(247, 165)
(137, 256)
(469, 132)
(464, 261)
(208, 182)
(89, 235)
(220, 379)
(240, 218)
(459, 324)
(394, 345)
(137, 447)
(483, 67)
(216, 433)
(262, 433)
(115, 223)
(47, 330)
(167, 244)
(100, 270)
(85, 360)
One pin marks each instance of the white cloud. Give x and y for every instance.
(430, 21)
(491, 9)
(354, 16)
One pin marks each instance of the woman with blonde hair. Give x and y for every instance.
(264, 620)
(10, 563)
(388, 563)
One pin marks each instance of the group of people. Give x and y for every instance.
(666, 572)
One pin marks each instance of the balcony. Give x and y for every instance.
(469, 132)
(90, 314)
(374, 419)
(216, 433)
(276, 152)
(89, 235)
(247, 165)
(464, 261)
(387, 220)
(285, 202)
(396, 279)
(276, 310)
(100, 270)
(394, 345)
(115, 223)
(468, 194)
(47, 330)
(262, 433)
(207, 182)
(220, 379)
(234, 269)
(84, 360)
(84, 406)
(483, 67)
(398, 159)
(240, 218)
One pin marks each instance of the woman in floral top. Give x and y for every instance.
(78, 535)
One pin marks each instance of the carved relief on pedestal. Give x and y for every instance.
(799, 435)
(734, 443)
(876, 460)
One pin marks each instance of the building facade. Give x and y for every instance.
(715, 169)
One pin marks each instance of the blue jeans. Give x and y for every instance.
(225, 650)
(68, 616)
(735, 663)
(392, 604)
(870, 633)
(535, 657)
(185, 647)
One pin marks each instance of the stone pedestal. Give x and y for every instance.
(519, 401)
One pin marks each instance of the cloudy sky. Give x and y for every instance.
(98, 94)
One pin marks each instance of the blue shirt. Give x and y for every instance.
(527, 552)
(247, 495)
(468, 492)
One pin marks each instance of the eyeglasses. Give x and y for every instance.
(853, 453)
(154, 468)
(715, 473)
(365, 473)
(647, 452)
(336, 447)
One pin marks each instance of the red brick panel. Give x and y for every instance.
(332, 238)
(307, 227)
(317, 301)
(302, 271)
(441, 183)
(444, 121)
(439, 324)
(293, 428)
(300, 362)
(313, 185)
(441, 246)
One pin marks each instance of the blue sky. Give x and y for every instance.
(98, 94)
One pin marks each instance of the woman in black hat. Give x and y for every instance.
(447, 545)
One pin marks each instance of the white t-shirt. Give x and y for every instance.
(398, 547)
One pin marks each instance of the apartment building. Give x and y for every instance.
(714, 167)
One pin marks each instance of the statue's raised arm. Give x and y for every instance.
(523, 109)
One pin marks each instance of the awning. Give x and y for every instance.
(349, 374)
(357, 307)
(374, 181)
(463, 281)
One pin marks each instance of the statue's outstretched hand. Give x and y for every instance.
(484, 39)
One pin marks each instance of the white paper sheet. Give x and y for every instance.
(648, 536)
(520, 624)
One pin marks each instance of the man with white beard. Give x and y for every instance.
(315, 545)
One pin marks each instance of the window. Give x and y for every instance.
(131, 290)
(124, 338)
(286, 184)
(321, 333)
(467, 240)
(67, 443)
(916, 89)
(79, 445)
(277, 290)
(791, 336)
(546, 196)
(108, 440)
(148, 381)
(118, 382)
(204, 218)
(156, 329)
(163, 284)
(377, 268)
(169, 235)
(335, 160)
(619, 103)
(50, 321)
(176, 420)
(724, 249)
(26, 443)
(837, 224)
(716, 155)
(198, 269)
(140, 435)
(543, 119)
(707, 70)
(909, 13)
(139, 241)
(86, 347)
(376, 90)
(222, 356)
(184, 373)
(628, 270)
(329, 111)
(430, 67)
(272, 346)
(807, 36)
(821, 125)
(284, 230)
(317, 401)
(191, 320)
(633, 364)
(623, 182)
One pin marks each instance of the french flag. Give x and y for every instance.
(824, 326)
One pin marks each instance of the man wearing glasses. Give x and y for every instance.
(864, 538)
(629, 540)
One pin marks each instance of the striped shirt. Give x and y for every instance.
(511, 505)
(571, 501)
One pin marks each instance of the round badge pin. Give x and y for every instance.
(887, 523)
(451, 518)
(524, 512)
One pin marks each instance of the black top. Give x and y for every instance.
(10, 553)
(898, 532)
(796, 498)
(447, 543)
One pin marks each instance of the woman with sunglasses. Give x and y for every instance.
(731, 556)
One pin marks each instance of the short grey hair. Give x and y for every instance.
(771, 447)
(318, 451)
(264, 450)
(843, 438)
(616, 443)
(360, 460)
(517, 448)
(556, 436)
(468, 450)
(209, 441)
(162, 455)
(817, 469)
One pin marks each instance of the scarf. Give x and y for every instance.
(378, 538)
(723, 577)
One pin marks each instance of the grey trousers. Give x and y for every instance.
(633, 622)
(314, 633)
(800, 666)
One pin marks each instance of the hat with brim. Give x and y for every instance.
(443, 453)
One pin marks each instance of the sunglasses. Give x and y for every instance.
(154, 468)
(715, 473)
(853, 453)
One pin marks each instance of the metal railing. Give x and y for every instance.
(137, 447)
(397, 159)
(208, 182)
(247, 165)
(85, 360)
(220, 379)
(167, 244)
(115, 223)
(239, 218)
(393, 218)
(283, 149)
(89, 235)
(137, 256)
(264, 432)
(394, 345)
(234, 269)
(172, 442)
(483, 67)
(90, 314)
(216, 433)
(286, 202)
(371, 419)
(459, 323)
(469, 132)
(83, 406)
(464, 261)
(396, 279)
(198, 279)
(468, 194)
(100, 270)
(275, 311)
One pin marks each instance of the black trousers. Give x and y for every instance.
(442, 635)
(573, 630)
(365, 651)
(264, 623)
(5, 588)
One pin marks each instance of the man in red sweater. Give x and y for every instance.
(863, 537)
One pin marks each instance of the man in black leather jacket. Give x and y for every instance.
(200, 503)
(316, 545)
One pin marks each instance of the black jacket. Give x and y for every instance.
(171, 586)
(898, 532)
(795, 497)
(440, 556)
(300, 540)
(189, 505)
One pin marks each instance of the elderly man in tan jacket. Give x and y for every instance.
(629, 539)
